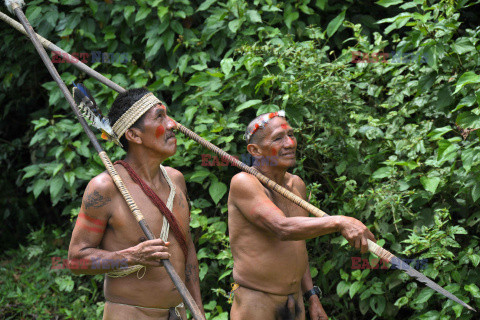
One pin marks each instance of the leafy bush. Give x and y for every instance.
(392, 144)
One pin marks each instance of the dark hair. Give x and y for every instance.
(121, 104)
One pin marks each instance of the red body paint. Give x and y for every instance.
(90, 224)
(93, 229)
(274, 151)
(160, 131)
(98, 222)
(284, 126)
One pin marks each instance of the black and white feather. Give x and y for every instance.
(87, 105)
(16, 3)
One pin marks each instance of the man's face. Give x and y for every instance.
(277, 143)
(158, 132)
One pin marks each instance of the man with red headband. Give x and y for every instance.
(268, 232)
(107, 238)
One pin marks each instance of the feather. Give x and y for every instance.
(87, 105)
(9, 3)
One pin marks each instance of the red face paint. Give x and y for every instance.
(274, 151)
(159, 131)
(284, 126)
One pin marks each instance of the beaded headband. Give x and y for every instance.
(134, 113)
(261, 122)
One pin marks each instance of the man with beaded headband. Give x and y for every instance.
(106, 237)
(268, 232)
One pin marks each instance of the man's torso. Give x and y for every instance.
(155, 288)
(262, 261)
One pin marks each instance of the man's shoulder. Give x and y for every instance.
(103, 184)
(296, 180)
(176, 176)
(245, 185)
(243, 179)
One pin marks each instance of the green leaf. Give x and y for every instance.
(33, 12)
(463, 45)
(290, 17)
(247, 104)
(342, 288)
(430, 183)
(468, 158)
(65, 283)
(382, 173)
(377, 303)
(473, 289)
(30, 171)
(69, 177)
(38, 187)
(354, 288)
(468, 120)
(217, 190)
(475, 259)
(234, 25)
(56, 185)
(142, 13)
(476, 192)
(439, 132)
(205, 5)
(201, 79)
(335, 24)
(226, 65)
(468, 77)
(127, 11)
(388, 3)
(401, 302)
(254, 16)
(424, 295)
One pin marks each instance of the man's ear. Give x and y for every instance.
(133, 135)
(254, 150)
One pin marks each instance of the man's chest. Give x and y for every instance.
(289, 208)
(123, 221)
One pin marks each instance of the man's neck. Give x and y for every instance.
(148, 168)
(274, 173)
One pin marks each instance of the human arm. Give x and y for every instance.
(249, 197)
(315, 307)
(98, 204)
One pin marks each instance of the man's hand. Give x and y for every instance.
(315, 309)
(149, 253)
(356, 233)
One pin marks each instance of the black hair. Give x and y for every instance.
(122, 103)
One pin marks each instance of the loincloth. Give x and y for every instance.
(122, 311)
(250, 304)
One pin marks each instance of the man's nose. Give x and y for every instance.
(291, 142)
(171, 124)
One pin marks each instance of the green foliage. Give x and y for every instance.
(395, 145)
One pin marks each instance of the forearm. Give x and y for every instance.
(302, 228)
(97, 261)
(192, 281)
(307, 284)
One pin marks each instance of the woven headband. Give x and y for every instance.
(134, 113)
(261, 122)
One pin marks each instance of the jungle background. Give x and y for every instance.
(388, 136)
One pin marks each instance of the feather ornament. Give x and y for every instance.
(87, 105)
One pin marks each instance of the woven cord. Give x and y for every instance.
(160, 205)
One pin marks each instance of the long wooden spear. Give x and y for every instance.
(182, 289)
(372, 247)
